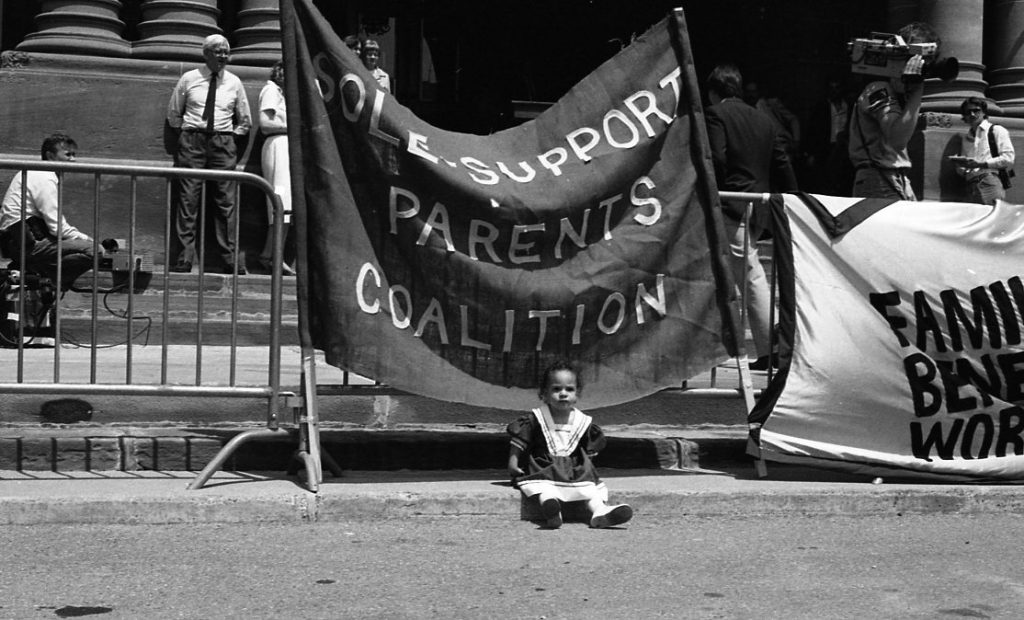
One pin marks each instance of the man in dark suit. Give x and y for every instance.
(749, 156)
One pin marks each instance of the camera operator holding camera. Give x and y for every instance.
(883, 122)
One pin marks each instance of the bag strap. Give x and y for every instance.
(1004, 173)
(993, 150)
(867, 152)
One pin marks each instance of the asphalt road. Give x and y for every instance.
(934, 566)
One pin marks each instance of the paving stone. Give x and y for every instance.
(104, 454)
(37, 453)
(10, 453)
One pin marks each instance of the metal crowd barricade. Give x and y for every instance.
(304, 407)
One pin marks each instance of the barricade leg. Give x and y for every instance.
(306, 415)
(229, 448)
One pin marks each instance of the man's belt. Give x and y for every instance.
(208, 133)
(870, 166)
(986, 173)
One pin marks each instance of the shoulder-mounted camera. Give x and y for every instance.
(885, 55)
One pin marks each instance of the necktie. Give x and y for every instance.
(211, 99)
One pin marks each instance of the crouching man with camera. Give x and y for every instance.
(41, 224)
(884, 120)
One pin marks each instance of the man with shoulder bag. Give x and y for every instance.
(986, 154)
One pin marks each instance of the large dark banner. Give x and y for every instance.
(458, 266)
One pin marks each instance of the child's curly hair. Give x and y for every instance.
(553, 367)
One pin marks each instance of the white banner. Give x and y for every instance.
(905, 334)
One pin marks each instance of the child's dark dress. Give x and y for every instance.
(556, 458)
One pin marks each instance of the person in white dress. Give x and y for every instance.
(273, 122)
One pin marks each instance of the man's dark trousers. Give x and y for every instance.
(214, 151)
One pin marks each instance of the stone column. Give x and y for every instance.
(258, 36)
(1005, 21)
(82, 27)
(960, 25)
(175, 29)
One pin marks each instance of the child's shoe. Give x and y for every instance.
(552, 512)
(614, 515)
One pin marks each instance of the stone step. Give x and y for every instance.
(189, 284)
(216, 331)
(251, 310)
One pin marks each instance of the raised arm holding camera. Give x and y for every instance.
(885, 115)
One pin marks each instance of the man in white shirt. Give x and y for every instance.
(978, 162)
(42, 226)
(208, 120)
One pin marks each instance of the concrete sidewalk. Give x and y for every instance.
(135, 498)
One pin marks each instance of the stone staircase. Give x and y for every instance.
(198, 309)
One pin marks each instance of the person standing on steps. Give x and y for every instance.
(209, 110)
(273, 122)
(749, 155)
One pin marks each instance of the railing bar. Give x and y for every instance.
(133, 189)
(166, 301)
(276, 308)
(22, 257)
(60, 274)
(200, 249)
(760, 198)
(773, 337)
(744, 289)
(152, 171)
(234, 288)
(136, 389)
(95, 302)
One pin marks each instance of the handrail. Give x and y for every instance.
(166, 172)
(762, 198)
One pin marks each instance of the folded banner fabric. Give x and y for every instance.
(458, 266)
(901, 339)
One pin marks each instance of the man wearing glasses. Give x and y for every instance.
(985, 150)
(209, 109)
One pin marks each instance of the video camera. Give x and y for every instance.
(116, 258)
(885, 55)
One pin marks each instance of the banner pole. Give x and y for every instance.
(309, 423)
